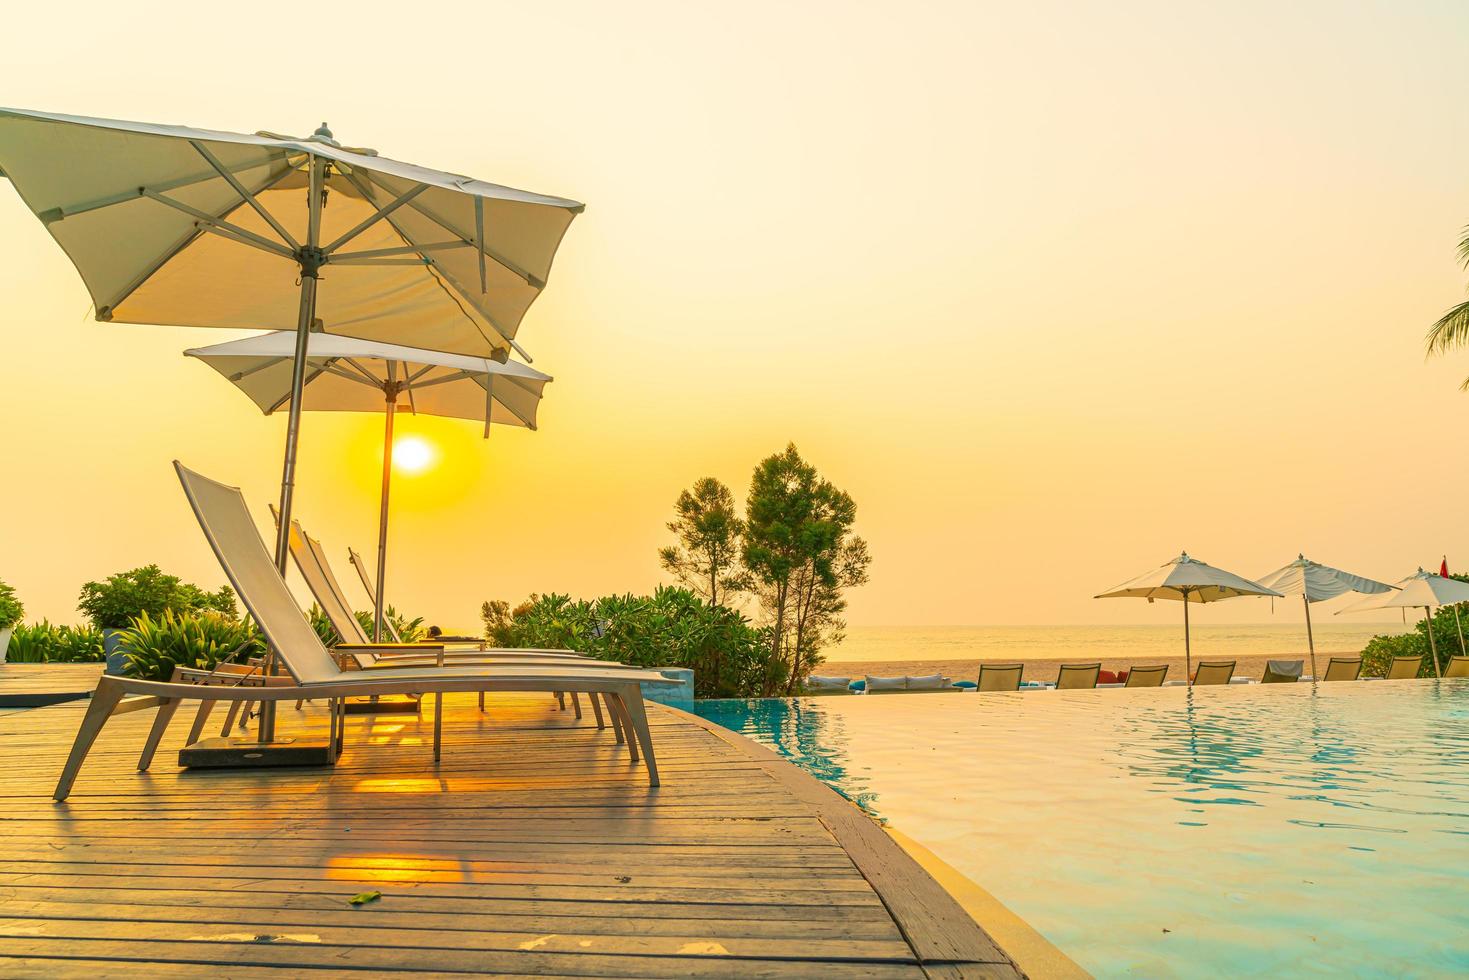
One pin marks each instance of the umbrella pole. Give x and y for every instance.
(382, 519)
(1311, 640)
(1432, 647)
(1188, 657)
(1460, 625)
(310, 258)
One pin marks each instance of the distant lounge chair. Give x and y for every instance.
(1343, 669)
(1214, 672)
(1000, 677)
(1078, 677)
(816, 684)
(895, 685)
(1151, 676)
(1404, 668)
(313, 671)
(1458, 667)
(1282, 671)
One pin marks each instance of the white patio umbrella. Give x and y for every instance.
(196, 227)
(1316, 582)
(1421, 590)
(1189, 580)
(344, 374)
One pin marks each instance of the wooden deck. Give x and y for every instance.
(534, 849)
(36, 685)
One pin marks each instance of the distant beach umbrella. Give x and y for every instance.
(344, 374)
(1188, 580)
(1316, 582)
(1421, 590)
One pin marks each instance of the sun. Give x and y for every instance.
(412, 454)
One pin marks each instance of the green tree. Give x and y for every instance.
(801, 555)
(123, 597)
(707, 556)
(1451, 332)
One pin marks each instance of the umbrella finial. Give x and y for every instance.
(323, 131)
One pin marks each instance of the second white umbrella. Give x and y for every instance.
(344, 374)
(1316, 582)
(1421, 590)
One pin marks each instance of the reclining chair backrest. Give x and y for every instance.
(311, 560)
(361, 567)
(232, 534)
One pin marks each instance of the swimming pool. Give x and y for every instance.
(1268, 830)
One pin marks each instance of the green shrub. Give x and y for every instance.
(1378, 653)
(43, 643)
(11, 610)
(412, 630)
(115, 603)
(154, 647)
(671, 628)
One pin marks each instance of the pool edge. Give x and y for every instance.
(1031, 951)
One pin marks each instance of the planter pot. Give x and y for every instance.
(116, 652)
(5, 641)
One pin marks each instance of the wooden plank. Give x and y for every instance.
(535, 848)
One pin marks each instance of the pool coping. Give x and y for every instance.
(945, 936)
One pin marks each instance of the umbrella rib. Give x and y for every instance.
(250, 199)
(347, 376)
(443, 279)
(445, 379)
(507, 406)
(104, 312)
(371, 378)
(132, 194)
(377, 253)
(275, 406)
(378, 215)
(219, 225)
(500, 260)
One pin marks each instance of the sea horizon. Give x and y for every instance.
(869, 644)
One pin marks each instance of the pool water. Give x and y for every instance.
(1276, 830)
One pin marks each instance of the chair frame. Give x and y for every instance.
(999, 669)
(1346, 663)
(1078, 669)
(1161, 670)
(1215, 665)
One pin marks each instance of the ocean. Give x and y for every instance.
(928, 643)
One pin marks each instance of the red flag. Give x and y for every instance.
(1443, 569)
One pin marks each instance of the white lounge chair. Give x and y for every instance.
(313, 671)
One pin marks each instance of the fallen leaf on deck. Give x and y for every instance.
(362, 898)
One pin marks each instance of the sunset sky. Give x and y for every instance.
(1054, 290)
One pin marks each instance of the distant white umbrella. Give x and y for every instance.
(1316, 582)
(344, 374)
(1189, 580)
(1422, 590)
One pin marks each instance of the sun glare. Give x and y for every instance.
(412, 455)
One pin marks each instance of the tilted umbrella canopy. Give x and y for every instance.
(193, 227)
(344, 374)
(1189, 580)
(1421, 590)
(1316, 582)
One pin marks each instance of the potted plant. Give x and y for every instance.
(11, 612)
(115, 604)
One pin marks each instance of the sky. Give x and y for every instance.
(1054, 290)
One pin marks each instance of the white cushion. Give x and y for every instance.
(931, 682)
(886, 683)
(819, 683)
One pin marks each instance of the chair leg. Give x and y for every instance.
(333, 743)
(561, 699)
(627, 727)
(166, 709)
(481, 700)
(229, 719)
(632, 703)
(438, 723)
(597, 709)
(200, 720)
(613, 716)
(298, 705)
(576, 704)
(104, 700)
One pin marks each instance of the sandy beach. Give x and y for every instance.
(1046, 668)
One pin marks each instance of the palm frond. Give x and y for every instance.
(1450, 332)
(1464, 248)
